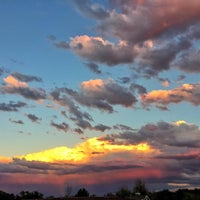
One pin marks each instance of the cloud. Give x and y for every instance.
(1, 71)
(83, 152)
(96, 49)
(101, 127)
(155, 60)
(154, 161)
(61, 127)
(25, 78)
(159, 17)
(15, 86)
(92, 10)
(59, 96)
(186, 92)
(160, 135)
(93, 67)
(139, 88)
(98, 93)
(78, 130)
(106, 91)
(189, 62)
(12, 106)
(62, 45)
(159, 44)
(123, 127)
(16, 121)
(33, 118)
(11, 81)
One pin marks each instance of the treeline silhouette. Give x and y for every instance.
(138, 192)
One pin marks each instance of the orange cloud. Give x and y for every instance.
(5, 160)
(184, 93)
(94, 85)
(13, 82)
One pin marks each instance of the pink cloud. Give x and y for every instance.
(186, 92)
(13, 82)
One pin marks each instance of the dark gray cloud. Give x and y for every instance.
(189, 62)
(125, 80)
(16, 121)
(12, 106)
(160, 135)
(101, 127)
(36, 167)
(103, 97)
(94, 93)
(93, 67)
(156, 60)
(81, 123)
(33, 118)
(26, 78)
(81, 119)
(123, 127)
(139, 88)
(60, 127)
(78, 130)
(26, 92)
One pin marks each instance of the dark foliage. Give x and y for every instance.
(82, 192)
(6, 196)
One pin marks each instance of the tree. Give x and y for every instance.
(82, 192)
(30, 195)
(123, 192)
(140, 187)
(6, 196)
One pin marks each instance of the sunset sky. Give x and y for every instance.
(98, 93)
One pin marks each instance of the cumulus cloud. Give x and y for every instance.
(158, 17)
(187, 92)
(107, 91)
(96, 49)
(11, 81)
(175, 144)
(158, 44)
(98, 93)
(15, 86)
